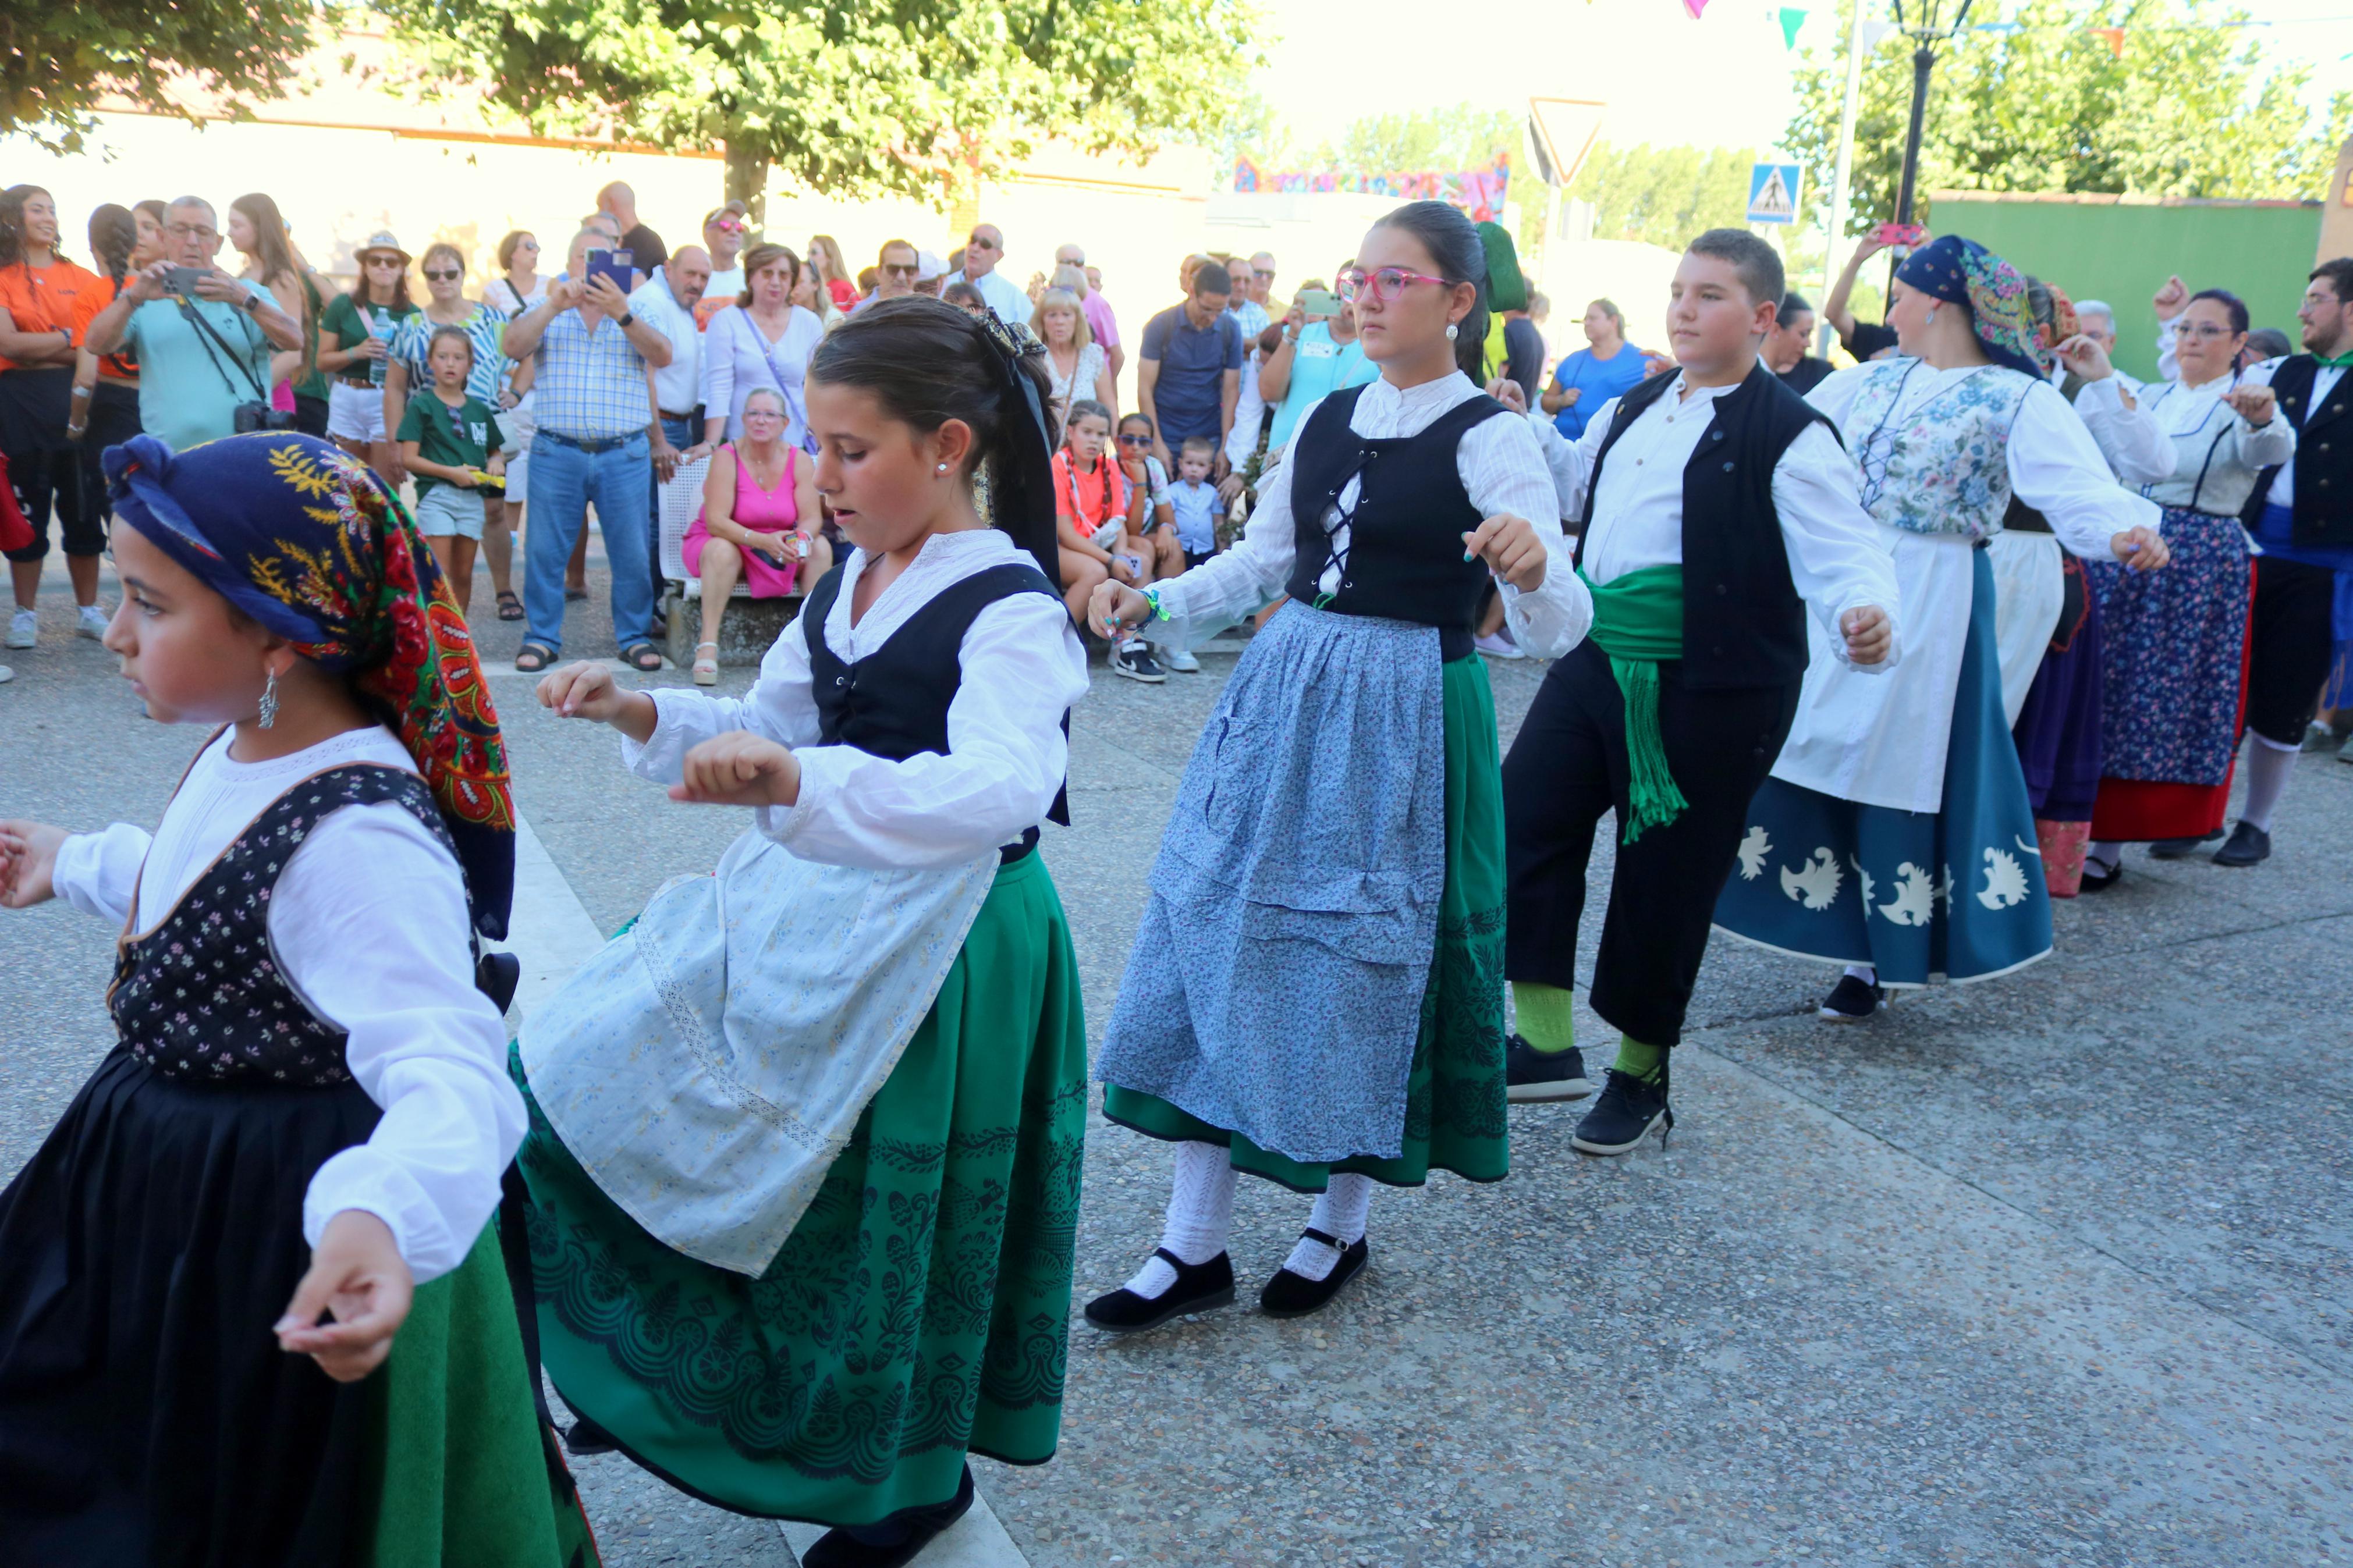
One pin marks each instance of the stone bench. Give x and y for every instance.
(750, 630)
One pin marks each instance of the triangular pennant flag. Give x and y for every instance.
(1694, 8)
(1792, 20)
(2113, 37)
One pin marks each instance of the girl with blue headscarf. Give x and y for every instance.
(289, 1163)
(1895, 835)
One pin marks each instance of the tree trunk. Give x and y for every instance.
(747, 182)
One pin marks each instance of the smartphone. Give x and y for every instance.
(183, 280)
(1902, 238)
(1318, 304)
(618, 265)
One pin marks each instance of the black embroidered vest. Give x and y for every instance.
(894, 701)
(1744, 623)
(201, 996)
(2323, 502)
(1404, 561)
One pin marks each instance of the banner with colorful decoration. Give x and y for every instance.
(1478, 192)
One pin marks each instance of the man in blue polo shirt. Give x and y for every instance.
(1191, 372)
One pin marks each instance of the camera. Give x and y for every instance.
(252, 416)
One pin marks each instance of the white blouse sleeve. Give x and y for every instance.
(1571, 462)
(1238, 581)
(1837, 561)
(369, 924)
(1835, 394)
(98, 873)
(1503, 471)
(1023, 668)
(2056, 468)
(780, 707)
(2138, 452)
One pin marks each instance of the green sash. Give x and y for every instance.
(1638, 620)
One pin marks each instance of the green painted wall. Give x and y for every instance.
(2123, 254)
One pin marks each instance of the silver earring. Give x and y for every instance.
(1932, 317)
(268, 708)
(942, 468)
(1450, 330)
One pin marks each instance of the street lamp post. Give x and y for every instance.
(1927, 34)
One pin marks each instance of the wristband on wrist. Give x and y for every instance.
(1157, 612)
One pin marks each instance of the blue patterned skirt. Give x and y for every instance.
(1957, 894)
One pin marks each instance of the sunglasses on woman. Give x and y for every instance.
(1127, 441)
(442, 275)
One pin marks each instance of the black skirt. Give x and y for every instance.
(147, 1415)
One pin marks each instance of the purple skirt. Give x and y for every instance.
(2058, 730)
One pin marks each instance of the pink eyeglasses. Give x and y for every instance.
(1357, 283)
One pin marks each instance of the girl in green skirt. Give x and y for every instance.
(1316, 995)
(804, 1138)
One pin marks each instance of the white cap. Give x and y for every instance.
(928, 267)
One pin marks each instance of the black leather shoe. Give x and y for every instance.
(2180, 849)
(1627, 1110)
(1534, 1078)
(2098, 879)
(1851, 1002)
(2248, 844)
(1198, 1287)
(585, 1439)
(1289, 1295)
(895, 1542)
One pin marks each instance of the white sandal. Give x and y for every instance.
(706, 668)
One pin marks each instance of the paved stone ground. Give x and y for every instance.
(2057, 1270)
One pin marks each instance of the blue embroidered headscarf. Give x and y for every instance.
(306, 543)
(1963, 272)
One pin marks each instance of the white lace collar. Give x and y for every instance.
(945, 560)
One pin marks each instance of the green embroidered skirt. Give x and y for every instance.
(1455, 1103)
(919, 1310)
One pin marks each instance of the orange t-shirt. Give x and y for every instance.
(119, 365)
(49, 298)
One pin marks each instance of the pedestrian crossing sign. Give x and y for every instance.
(1773, 192)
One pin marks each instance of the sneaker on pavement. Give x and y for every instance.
(1134, 660)
(23, 629)
(1629, 1108)
(1532, 1077)
(6, 675)
(91, 623)
(1178, 659)
(1851, 1001)
(2249, 845)
(2180, 849)
(1499, 646)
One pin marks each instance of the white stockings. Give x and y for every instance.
(1339, 1213)
(1201, 1214)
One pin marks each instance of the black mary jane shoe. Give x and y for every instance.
(1532, 1077)
(2180, 849)
(1629, 1108)
(2098, 879)
(1289, 1295)
(895, 1542)
(583, 1439)
(1198, 1287)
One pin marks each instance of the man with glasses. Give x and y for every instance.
(1262, 284)
(1102, 325)
(895, 270)
(982, 252)
(203, 350)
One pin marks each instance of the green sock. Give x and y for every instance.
(1547, 1015)
(1638, 1060)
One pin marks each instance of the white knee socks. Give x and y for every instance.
(1339, 1213)
(2105, 854)
(1200, 1213)
(2269, 763)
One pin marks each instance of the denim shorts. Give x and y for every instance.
(446, 509)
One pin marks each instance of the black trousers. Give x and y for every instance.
(1567, 770)
(2291, 646)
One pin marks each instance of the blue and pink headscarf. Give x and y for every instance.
(1963, 272)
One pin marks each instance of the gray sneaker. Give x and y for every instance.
(6, 675)
(1178, 659)
(90, 621)
(23, 629)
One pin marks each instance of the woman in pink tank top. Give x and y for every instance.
(759, 522)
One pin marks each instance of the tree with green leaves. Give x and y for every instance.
(1464, 136)
(59, 61)
(920, 98)
(1663, 196)
(2164, 101)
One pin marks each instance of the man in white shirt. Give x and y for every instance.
(982, 252)
(1718, 507)
(665, 302)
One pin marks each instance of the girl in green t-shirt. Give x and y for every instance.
(449, 442)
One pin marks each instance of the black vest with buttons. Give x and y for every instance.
(201, 996)
(894, 702)
(1744, 623)
(1405, 536)
(2323, 502)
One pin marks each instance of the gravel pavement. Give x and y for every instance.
(2053, 1269)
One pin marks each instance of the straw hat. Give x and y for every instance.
(382, 239)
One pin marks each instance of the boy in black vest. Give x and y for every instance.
(2302, 515)
(1717, 505)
